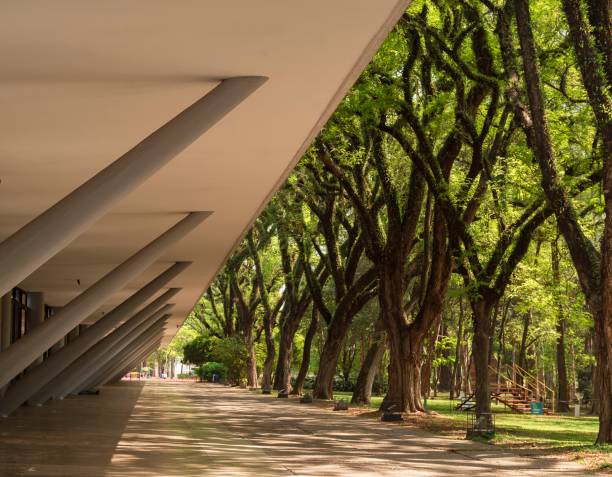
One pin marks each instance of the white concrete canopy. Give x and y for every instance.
(82, 82)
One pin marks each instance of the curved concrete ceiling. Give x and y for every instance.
(82, 82)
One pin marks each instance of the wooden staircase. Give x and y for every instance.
(515, 396)
(512, 396)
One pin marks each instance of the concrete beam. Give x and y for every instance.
(39, 382)
(35, 243)
(100, 354)
(137, 359)
(34, 383)
(125, 365)
(18, 356)
(127, 353)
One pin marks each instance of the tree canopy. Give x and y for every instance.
(449, 229)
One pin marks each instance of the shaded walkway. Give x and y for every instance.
(73, 437)
(188, 429)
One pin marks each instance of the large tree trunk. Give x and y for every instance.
(481, 314)
(305, 365)
(251, 359)
(282, 375)
(346, 364)
(595, 278)
(603, 373)
(362, 393)
(404, 393)
(426, 375)
(324, 383)
(603, 323)
(592, 41)
(589, 348)
(405, 349)
(456, 373)
(522, 356)
(562, 384)
(266, 380)
(445, 371)
(406, 340)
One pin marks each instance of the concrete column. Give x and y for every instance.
(72, 335)
(138, 359)
(63, 340)
(127, 342)
(119, 360)
(131, 362)
(35, 316)
(35, 243)
(97, 356)
(14, 359)
(40, 381)
(122, 367)
(135, 362)
(37, 378)
(6, 325)
(58, 346)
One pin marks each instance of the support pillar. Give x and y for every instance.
(34, 244)
(62, 342)
(97, 356)
(129, 352)
(24, 351)
(72, 335)
(40, 381)
(58, 346)
(137, 359)
(121, 368)
(6, 325)
(35, 316)
(35, 381)
(128, 343)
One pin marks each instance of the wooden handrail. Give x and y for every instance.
(522, 371)
(511, 380)
(529, 377)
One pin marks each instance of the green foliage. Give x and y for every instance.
(198, 350)
(416, 110)
(231, 353)
(206, 371)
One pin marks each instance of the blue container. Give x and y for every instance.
(537, 407)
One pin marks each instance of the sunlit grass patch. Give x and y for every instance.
(564, 435)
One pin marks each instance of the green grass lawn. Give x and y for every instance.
(558, 433)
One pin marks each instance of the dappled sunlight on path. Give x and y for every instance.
(183, 429)
(169, 433)
(203, 429)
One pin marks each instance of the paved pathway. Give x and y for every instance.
(187, 429)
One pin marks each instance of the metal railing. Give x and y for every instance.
(534, 388)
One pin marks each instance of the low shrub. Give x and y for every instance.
(206, 371)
